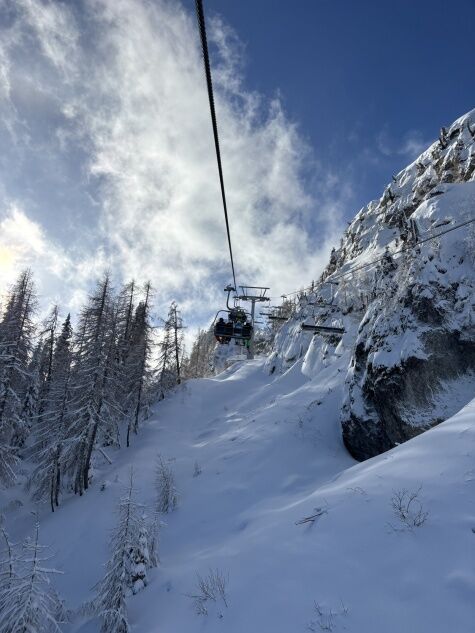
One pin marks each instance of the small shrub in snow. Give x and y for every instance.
(408, 508)
(167, 496)
(210, 588)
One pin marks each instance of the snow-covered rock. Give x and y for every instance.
(403, 289)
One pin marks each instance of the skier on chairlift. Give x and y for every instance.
(221, 331)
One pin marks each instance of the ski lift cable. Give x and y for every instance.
(334, 278)
(204, 45)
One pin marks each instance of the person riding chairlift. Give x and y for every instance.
(223, 331)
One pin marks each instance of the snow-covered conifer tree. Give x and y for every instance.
(126, 568)
(126, 305)
(16, 334)
(48, 335)
(140, 557)
(51, 431)
(136, 362)
(125, 318)
(199, 363)
(28, 602)
(167, 495)
(171, 351)
(92, 412)
(27, 415)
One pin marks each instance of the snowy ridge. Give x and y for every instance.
(408, 318)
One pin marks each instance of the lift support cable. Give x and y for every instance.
(334, 277)
(204, 45)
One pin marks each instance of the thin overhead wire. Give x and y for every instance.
(334, 278)
(204, 45)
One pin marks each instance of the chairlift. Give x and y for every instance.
(233, 323)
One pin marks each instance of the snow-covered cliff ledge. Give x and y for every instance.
(409, 319)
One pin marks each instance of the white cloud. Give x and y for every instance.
(23, 244)
(62, 277)
(54, 27)
(131, 106)
(411, 145)
(414, 145)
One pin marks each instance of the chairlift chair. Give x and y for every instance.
(228, 325)
(233, 323)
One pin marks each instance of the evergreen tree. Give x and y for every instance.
(136, 369)
(126, 568)
(140, 555)
(51, 432)
(29, 409)
(46, 360)
(92, 411)
(126, 303)
(171, 352)
(125, 319)
(167, 494)
(16, 335)
(28, 603)
(200, 361)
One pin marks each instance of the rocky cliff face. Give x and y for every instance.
(402, 287)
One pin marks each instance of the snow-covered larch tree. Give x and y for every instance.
(16, 340)
(200, 361)
(92, 416)
(28, 602)
(136, 364)
(51, 431)
(171, 352)
(127, 567)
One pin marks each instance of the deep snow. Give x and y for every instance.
(270, 451)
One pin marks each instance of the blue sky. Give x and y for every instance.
(107, 155)
(363, 78)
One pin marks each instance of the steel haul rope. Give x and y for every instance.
(204, 46)
(334, 277)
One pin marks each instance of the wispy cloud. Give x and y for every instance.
(117, 162)
(410, 146)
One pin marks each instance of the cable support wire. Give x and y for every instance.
(334, 278)
(204, 45)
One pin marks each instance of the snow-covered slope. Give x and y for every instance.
(408, 317)
(271, 453)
